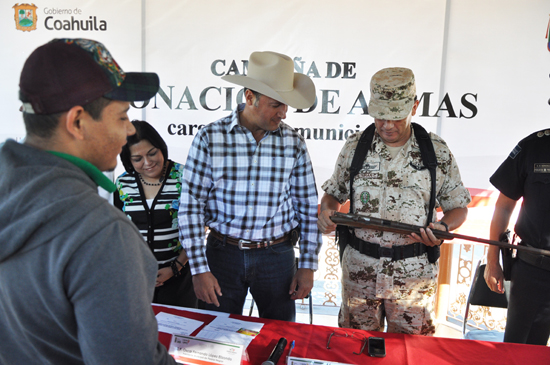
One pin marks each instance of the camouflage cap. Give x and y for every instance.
(392, 93)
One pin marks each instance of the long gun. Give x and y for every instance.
(359, 221)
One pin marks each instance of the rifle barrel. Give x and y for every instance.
(353, 220)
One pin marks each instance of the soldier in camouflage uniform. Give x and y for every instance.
(389, 186)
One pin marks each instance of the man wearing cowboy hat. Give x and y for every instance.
(248, 177)
(386, 275)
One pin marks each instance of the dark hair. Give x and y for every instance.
(144, 131)
(41, 125)
(256, 94)
(95, 108)
(44, 125)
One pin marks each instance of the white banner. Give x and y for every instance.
(481, 67)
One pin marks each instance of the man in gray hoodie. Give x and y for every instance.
(76, 278)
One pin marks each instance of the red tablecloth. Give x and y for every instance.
(311, 343)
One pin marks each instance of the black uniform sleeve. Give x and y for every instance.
(509, 178)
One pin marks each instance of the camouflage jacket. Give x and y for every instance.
(393, 189)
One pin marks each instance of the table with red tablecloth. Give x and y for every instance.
(311, 341)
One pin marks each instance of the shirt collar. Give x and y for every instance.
(93, 172)
(235, 117)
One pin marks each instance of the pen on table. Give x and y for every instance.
(290, 351)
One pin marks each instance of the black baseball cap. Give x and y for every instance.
(66, 72)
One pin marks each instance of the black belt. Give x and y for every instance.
(246, 244)
(540, 261)
(396, 253)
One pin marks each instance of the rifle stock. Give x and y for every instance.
(378, 224)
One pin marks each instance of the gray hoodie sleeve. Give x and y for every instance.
(110, 282)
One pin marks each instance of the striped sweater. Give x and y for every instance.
(158, 224)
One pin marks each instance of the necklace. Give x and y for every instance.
(160, 180)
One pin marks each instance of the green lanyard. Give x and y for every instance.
(93, 172)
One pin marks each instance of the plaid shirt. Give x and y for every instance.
(248, 190)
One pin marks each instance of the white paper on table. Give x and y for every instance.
(194, 350)
(173, 324)
(231, 330)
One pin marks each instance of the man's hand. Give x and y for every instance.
(207, 288)
(325, 224)
(504, 208)
(453, 218)
(329, 206)
(426, 235)
(301, 284)
(494, 277)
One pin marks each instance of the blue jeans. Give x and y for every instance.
(268, 273)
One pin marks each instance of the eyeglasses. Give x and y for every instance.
(356, 335)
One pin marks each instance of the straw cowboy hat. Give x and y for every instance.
(272, 74)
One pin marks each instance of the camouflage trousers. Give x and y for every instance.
(365, 305)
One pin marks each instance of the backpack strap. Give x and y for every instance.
(344, 234)
(429, 160)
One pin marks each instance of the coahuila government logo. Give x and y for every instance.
(54, 19)
(25, 17)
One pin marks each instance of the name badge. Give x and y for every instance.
(542, 168)
(375, 166)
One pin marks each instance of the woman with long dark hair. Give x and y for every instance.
(149, 192)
